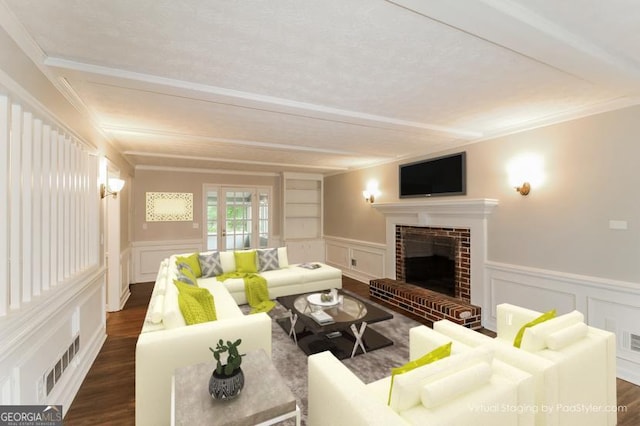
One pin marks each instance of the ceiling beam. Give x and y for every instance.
(257, 101)
(512, 26)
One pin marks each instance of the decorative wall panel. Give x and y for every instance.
(169, 207)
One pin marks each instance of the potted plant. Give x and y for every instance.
(227, 379)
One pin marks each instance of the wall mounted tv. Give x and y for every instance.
(434, 177)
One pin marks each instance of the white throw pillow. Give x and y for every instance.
(407, 387)
(535, 338)
(438, 392)
(283, 259)
(565, 337)
(228, 261)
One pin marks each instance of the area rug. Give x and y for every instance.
(291, 362)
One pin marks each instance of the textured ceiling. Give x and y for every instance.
(324, 86)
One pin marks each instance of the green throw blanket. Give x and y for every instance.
(255, 288)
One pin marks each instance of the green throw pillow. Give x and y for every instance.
(196, 304)
(186, 275)
(436, 354)
(245, 261)
(193, 262)
(542, 318)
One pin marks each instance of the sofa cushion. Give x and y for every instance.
(226, 306)
(447, 388)
(268, 259)
(156, 307)
(210, 264)
(283, 277)
(192, 261)
(517, 342)
(171, 315)
(407, 388)
(535, 338)
(562, 338)
(283, 257)
(324, 272)
(438, 353)
(245, 261)
(228, 261)
(196, 304)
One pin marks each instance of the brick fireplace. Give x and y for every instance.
(461, 220)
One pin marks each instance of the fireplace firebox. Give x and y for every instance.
(430, 262)
(437, 259)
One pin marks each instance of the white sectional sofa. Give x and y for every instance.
(166, 342)
(467, 388)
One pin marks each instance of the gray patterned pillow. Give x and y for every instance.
(210, 264)
(268, 259)
(186, 275)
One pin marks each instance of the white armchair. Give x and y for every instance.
(573, 365)
(465, 388)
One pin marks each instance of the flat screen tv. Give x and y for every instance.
(434, 177)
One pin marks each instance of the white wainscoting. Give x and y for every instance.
(147, 256)
(32, 350)
(606, 304)
(360, 260)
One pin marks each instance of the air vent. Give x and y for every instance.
(55, 374)
(635, 342)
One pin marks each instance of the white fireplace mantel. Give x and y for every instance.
(469, 213)
(464, 207)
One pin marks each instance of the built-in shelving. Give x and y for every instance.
(302, 216)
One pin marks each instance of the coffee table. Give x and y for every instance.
(264, 400)
(346, 337)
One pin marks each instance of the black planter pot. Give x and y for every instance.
(226, 387)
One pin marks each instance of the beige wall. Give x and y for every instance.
(591, 168)
(179, 181)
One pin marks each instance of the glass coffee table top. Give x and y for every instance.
(347, 309)
(340, 337)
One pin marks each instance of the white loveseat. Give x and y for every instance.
(166, 342)
(468, 387)
(573, 365)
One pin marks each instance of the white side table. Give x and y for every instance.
(264, 400)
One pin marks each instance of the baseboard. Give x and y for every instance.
(69, 390)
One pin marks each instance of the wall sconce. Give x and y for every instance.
(525, 172)
(524, 188)
(371, 192)
(114, 185)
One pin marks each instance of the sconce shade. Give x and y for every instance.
(371, 192)
(114, 185)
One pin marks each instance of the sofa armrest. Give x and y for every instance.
(510, 318)
(159, 353)
(337, 397)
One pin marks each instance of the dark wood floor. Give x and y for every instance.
(107, 394)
